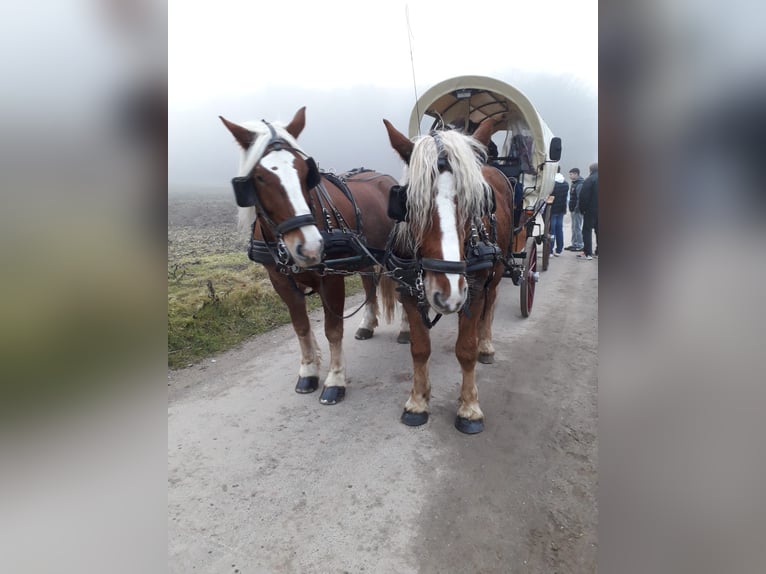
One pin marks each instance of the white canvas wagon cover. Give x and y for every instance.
(465, 101)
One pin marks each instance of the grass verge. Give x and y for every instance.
(217, 301)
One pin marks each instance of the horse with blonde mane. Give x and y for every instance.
(447, 254)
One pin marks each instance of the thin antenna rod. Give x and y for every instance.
(412, 63)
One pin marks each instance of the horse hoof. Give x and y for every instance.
(468, 426)
(403, 337)
(332, 395)
(363, 334)
(307, 385)
(414, 419)
(487, 358)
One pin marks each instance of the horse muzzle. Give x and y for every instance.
(445, 292)
(305, 245)
(445, 306)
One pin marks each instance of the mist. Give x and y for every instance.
(344, 128)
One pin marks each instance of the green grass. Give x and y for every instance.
(241, 304)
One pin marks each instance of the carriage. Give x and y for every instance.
(527, 154)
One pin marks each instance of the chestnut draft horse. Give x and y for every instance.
(452, 239)
(310, 230)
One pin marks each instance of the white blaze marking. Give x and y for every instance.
(280, 162)
(445, 207)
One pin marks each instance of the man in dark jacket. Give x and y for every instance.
(589, 210)
(574, 209)
(558, 210)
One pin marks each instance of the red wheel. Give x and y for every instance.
(529, 277)
(546, 237)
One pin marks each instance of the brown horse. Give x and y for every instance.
(455, 229)
(310, 230)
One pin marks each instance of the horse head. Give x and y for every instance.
(274, 181)
(445, 191)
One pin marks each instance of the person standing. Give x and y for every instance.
(574, 209)
(558, 210)
(589, 209)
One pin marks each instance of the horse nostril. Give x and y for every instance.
(299, 250)
(438, 299)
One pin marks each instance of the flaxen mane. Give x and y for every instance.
(464, 156)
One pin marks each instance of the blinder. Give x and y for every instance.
(313, 178)
(244, 188)
(244, 191)
(397, 202)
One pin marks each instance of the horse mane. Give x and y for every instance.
(464, 154)
(250, 157)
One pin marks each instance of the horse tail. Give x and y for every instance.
(388, 297)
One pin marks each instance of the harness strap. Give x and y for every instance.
(344, 317)
(295, 223)
(426, 320)
(442, 266)
(340, 183)
(325, 200)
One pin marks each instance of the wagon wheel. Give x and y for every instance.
(547, 234)
(529, 278)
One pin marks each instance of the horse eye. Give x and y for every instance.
(259, 179)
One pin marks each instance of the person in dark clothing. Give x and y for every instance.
(589, 209)
(558, 210)
(518, 209)
(574, 210)
(518, 200)
(492, 150)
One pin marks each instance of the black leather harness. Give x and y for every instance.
(480, 250)
(345, 247)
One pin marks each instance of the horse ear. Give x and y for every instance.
(295, 127)
(484, 132)
(243, 136)
(399, 142)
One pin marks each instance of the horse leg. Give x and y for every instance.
(308, 374)
(416, 408)
(404, 328)
(370, 316)
(486, 348)
(334, 298)
(470, 419)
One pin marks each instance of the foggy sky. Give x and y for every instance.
(344, 128)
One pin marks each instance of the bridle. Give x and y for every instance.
(480, 247)
(397, 210)
(246, 192)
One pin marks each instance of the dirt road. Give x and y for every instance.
(264, 480)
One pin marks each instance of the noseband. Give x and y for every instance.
(247, 195)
